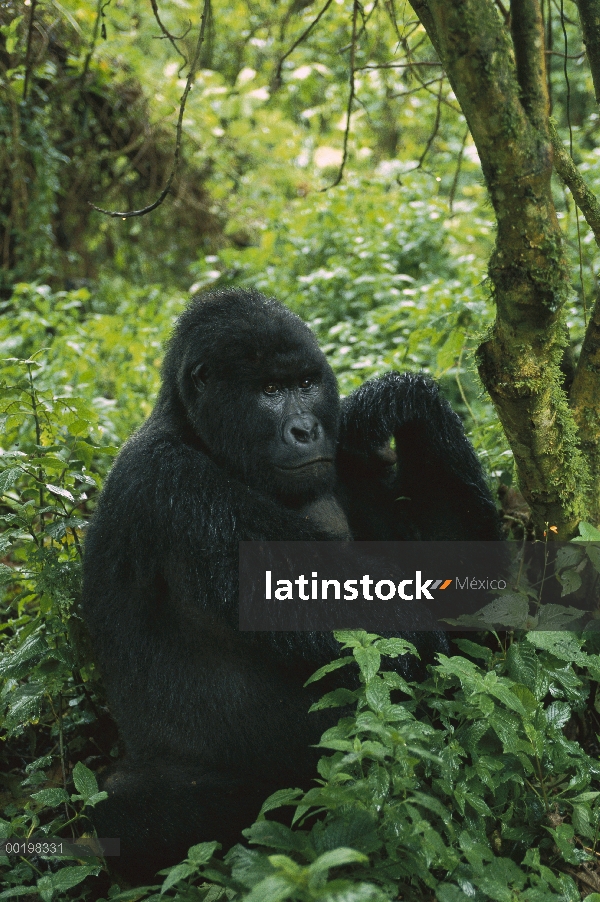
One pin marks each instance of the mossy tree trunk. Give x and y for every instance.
(499, 78)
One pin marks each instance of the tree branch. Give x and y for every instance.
(206, 14)
(583, 197)
(519, 363)
(350, 104)
(305, 34)
(589, 14)
(167, 34)
(527, 28)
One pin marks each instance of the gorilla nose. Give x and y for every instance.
(302, 429)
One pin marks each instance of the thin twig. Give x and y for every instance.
(572, 56)
(434, 131)
(61, 745)
(408, 65)
(582, 195)
(167, 34)
(565, 18)
(425, 84)
(305, 34)
(391, 11)
(206, 13)
(350, 99)
(457, 171)
(413, 66)
(365, 20)
(455, 109)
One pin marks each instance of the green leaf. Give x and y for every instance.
(248, 866)
(51, 797)
(593, 552)
(10, 33)
(558, 714)
(474, 650)
(25, 704)
(394, 647)
(96, 797)
(511, 610)
(450, 350)
(587, 533)
(272, 889)
(274, 835)
(179, 872)
(57, 490)
(355, 638)
(85, 781)
(335, 859)
(558, 617)
(339, 698)
(202, 852)
(526, 697)
(279, 799)
(570, 581)
(377, 694)
(447, 892)
(8, 478)
(395, 681)
(17, 891)
(562, 645)
(569, 556)
(69, 877)
(45, 888)
(564, 839)
(582, 821)
(369, 661)
(33, 648)
(328, 668)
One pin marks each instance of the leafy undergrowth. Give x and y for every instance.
(481, 783)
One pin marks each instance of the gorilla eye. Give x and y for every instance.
(306, 383)
(270, 388)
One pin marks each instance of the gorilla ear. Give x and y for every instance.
(199, 375)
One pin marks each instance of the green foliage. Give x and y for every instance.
(465, 787)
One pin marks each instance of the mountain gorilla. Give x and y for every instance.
(246, 442)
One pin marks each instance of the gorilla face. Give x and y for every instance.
(259, 394)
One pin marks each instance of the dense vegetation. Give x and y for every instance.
(481, 783)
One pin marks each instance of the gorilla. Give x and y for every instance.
(248, 441)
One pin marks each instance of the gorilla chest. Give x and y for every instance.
(328, 514)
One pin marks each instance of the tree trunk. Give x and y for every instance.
(501, 86)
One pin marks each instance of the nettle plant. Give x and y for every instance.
(46, 479)
(48, 471)
(463, 787)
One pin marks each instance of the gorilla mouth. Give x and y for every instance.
(307, 463)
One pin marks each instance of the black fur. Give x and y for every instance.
(213, 719)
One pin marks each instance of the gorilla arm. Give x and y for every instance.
(435, 489)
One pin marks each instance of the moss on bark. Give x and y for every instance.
(501, 86)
